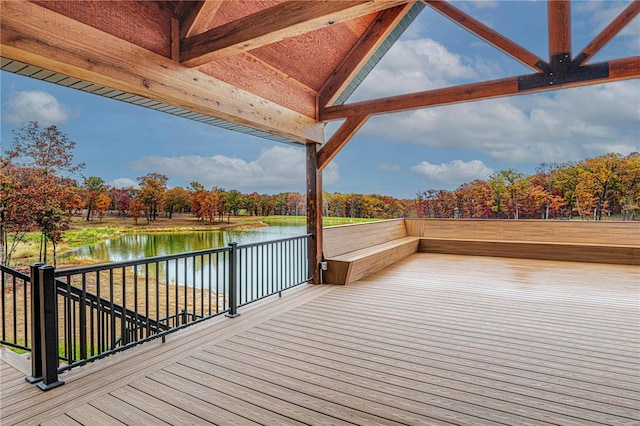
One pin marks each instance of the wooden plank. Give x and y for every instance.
(605, 36)
(366, 46)
(487, 34)
(147, 358)
(348, 238)
(88, 414)
(241, 406)
(622, 255)
(619, 69)
(559, 18)
(285, 20)
(561, 231)
(124, 412)
(63, 420)
(298, 345)
(340, 138)
(36, 36)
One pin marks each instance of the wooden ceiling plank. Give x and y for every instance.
(373, 37)
(605, 36)
(340, 138)
(619, 69)
(37, 36)
(175, 40)
(287, 19)
(487, 34)
(196, 16)
(559, 19)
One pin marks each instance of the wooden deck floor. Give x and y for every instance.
(435, 339)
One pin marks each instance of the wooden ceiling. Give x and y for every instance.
(278, 67)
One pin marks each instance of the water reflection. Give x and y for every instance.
(138, 246)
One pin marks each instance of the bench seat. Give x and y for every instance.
(544, 250)
(349, 267)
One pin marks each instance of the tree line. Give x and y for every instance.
(38, 192)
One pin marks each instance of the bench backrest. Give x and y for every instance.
(343, 239)
(589, 232)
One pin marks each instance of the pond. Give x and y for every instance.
(142, 245)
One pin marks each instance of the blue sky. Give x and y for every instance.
(397, 154)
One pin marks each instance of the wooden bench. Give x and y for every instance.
(355, 251)
(596, 242)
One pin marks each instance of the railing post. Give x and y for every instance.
(36, 344)
(233, 281)
(49, 328)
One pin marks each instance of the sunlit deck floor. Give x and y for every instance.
(435, 339)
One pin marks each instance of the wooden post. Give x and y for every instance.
(314, 211)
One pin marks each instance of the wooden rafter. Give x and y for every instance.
(40, 37)
(621, 69)
(605, 36)
(195, 15)
(340, 138)
(487, 34)
(559, 18)
(375, 35)
(287, 19)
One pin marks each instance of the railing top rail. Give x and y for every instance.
(114, 265)
(281, 240)
(15, 273)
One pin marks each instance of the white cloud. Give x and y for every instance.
(123, 182)
(386, 167)
(276, 169)
(412, 66)
(454, 172)
(566, 125)
(34, 105)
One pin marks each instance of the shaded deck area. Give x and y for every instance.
(434, 339)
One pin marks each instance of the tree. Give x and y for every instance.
(598, 177)
(37, 195)
(176, 199)
(510, 186)
(102, 205)
(136, 207)
(46, 149)
(94, 187)
(151, 193)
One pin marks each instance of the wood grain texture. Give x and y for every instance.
(361, 52)
(619, 69)
(340, 138)
(433, 340)
(268, 26)
(32, 34)
(559, 20)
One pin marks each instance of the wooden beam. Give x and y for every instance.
(196, 15)
(559, 18)
(605, 36)
(343, 135)
(35, 35)
(314, 212)
(375, 35)
(487, 34)
(620, 69)
(287, 19)
(175, 40)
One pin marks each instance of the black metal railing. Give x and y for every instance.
(16, 309)
(268, 268)
(105, 308)
(97, 310)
